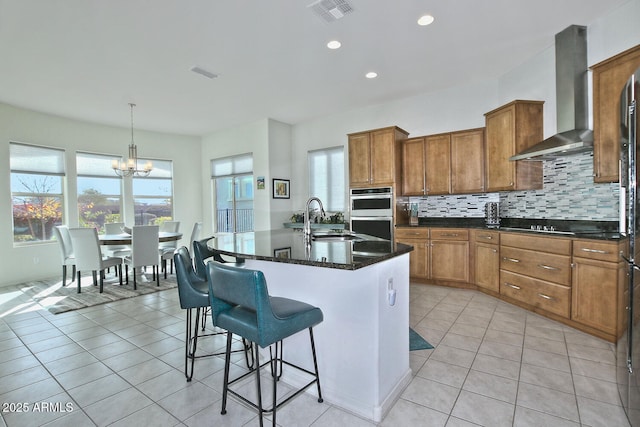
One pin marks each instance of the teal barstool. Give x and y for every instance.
(240, 303)
(202, 252)
(194, 294)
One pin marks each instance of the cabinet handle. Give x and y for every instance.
(486, 237)
(510, 259)
(547, 267)
(595, 251)
(517, 288)
(495, 251)
(449, 235)
(547, 297)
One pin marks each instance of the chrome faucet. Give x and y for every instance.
(306, 228)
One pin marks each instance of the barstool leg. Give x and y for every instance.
(190, 350)
(259, 389)
(225, 384)
(315, 364)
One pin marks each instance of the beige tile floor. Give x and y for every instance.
(120, 364)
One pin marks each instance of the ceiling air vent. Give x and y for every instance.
(331, 10)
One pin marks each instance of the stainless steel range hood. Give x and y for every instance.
(572, 104)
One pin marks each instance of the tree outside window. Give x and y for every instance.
(37, 197)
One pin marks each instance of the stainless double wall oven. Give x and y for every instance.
(371, 211)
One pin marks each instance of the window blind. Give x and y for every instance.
(26, 158)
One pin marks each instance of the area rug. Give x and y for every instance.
(416, 342)
(52, 296)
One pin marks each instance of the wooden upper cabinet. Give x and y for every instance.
(609, 78)
(467, 161)
(359, 159)
(510, 129)
(375, 157)
(438, 164)
(413, 167)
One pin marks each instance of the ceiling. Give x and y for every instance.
(87, 59)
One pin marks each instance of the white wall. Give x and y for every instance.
(37, 261)
(280, 166)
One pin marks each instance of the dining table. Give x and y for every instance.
(125, 238)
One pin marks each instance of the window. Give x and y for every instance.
(233, 185)
(326, 178)
(99, 191)
(153, 195)
(37, 195)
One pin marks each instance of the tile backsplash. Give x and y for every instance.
(568, 193)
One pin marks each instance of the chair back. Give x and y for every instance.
(192, 290)
(231, 287)
(170, 226)
(64, 241)
(195, 233)
(114, 228)
(86, 248)
(201, 252)
(144, 245)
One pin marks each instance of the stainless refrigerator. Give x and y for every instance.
(628, 346)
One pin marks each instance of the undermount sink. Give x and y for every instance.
(334, 237)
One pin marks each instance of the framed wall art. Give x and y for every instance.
(281, 188)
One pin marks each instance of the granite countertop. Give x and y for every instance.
(583, 229)
(287, 246)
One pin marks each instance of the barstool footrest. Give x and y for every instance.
(283, 402)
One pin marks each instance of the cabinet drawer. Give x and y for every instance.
(538, 293)
(592, 249)
(449, 234)
(487, 236)
(549, 244)
(539, 265)
(412, 233)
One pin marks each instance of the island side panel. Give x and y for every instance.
(362, 344)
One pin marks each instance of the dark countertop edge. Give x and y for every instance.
(608, 229)
(400, 249)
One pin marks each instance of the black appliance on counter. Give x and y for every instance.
(628, 346)
(371, 211)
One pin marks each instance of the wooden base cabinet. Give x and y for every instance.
(486, 259)
(598, 285)
(440, 255)
(449, 254)
(536, 271)
(419, 257)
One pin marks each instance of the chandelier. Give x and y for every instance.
(129, 167)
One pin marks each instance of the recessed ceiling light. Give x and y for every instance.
(425, 20)
(371, 75)
(334, 44)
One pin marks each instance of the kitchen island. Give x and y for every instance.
(363, 342)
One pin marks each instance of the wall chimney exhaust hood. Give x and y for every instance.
(572, 106)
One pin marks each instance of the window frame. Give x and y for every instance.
(56, 169)
(155, 174)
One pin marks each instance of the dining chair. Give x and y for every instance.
(241, 304)
(120, 251)
(168, 248)
(89, 257)
(66, 251)
(144, 251)
(195, 234)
